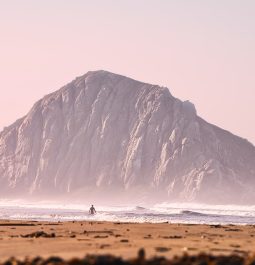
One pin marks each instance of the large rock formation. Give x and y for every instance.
(107, 134)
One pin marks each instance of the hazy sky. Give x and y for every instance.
(203, 50)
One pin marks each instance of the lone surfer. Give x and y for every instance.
(92, 210)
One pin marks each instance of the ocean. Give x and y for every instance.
(165, 212)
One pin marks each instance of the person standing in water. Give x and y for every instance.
(92, 209)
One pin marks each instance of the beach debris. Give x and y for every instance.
(235, 246)
(53, 260)
(221, 249)
(17, 224)
(216, 226)
(201, 259)
(100, 236)
(233, 230)
(109, 232)
(185, 249)
(162, 249)
(172, 237)
(124, 240)
(39, 234)
(242, 252)
(104, 246)
(141, 254)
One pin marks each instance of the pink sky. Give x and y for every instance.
(202, 50)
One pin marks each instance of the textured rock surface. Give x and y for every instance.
(108, 133)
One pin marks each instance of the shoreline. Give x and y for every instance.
(14, 220)
(76, 239)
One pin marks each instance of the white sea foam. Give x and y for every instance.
(165, 212)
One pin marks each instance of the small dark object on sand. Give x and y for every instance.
(172, 237)
(216, 226)
(233, 230)
(100, 236)
(39, 234)
(162, 249)
(104, 246)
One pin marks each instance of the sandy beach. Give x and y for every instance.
(22, 239)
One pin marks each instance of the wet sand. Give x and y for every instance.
(22, 239)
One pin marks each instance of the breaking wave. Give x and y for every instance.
(186, 212)
(165, 212)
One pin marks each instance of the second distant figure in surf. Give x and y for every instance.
(92, 210)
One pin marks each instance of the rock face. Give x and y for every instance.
(107, 134)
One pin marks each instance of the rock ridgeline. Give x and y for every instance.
(105, 135)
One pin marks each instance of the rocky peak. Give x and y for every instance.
(108, 134)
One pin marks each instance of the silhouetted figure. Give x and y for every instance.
(92, 209)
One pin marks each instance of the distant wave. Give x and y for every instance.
(139, 208)
(193, 214)
(186, 212)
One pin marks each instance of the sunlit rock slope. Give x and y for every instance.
(106, 136)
